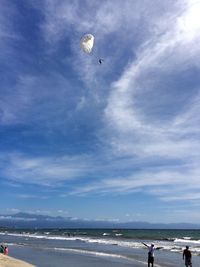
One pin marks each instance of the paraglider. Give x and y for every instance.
(87, 43)
(100, 61)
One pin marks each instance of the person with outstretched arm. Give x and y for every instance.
(151, 253)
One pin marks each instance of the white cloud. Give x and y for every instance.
(154, 182)
(12, 210)
(170, 144)
(114, 24)
(137, 132)
(141, 125)
(46, 171)
(30, 196)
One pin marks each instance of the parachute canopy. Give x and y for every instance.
(87, 42)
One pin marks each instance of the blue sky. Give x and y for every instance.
(117, 141)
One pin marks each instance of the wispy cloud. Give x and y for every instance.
(125, 109)
(154, 133)
(128, 126)
(7, 31)
(114, 25)
(155, 182)
(46, 171)
(29, 196)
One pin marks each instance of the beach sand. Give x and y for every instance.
(6, 261)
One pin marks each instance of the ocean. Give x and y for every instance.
(100, 247)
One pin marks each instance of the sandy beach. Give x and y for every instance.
(6, 261)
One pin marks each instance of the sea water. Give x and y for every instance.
(100, 247)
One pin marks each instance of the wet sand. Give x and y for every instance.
(51, 257)
(6, 261)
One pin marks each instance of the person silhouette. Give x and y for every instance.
(187, 255)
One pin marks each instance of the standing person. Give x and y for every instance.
(6, 250)
(187, 255)
(151, 253)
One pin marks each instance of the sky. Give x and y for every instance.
(117, 141)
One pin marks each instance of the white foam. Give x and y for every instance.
(35, 235)
(174, 246)
(106, 234)
(187, 237)
(186, 241)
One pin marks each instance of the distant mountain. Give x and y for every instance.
(28, 220)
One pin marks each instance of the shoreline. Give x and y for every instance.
(54, 248)
(7, 261)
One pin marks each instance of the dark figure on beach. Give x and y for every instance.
(2, 249)
(151, 253)
(187, 255)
